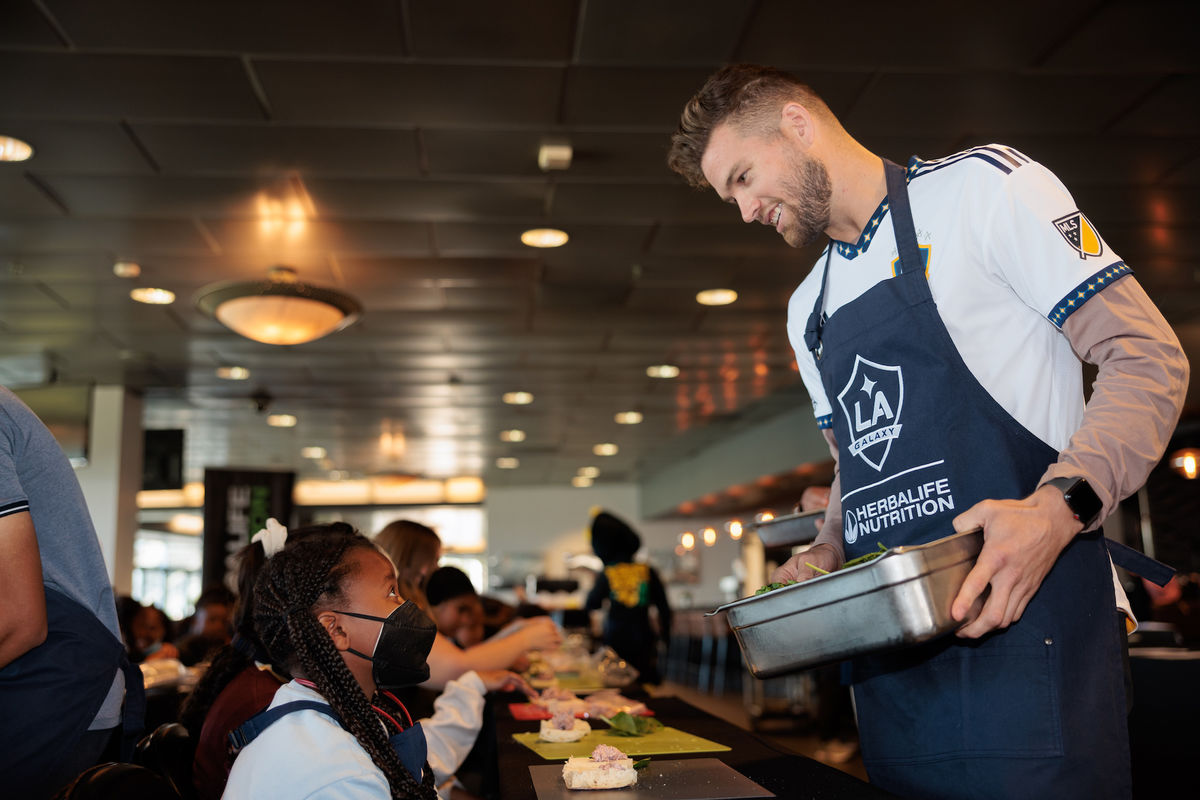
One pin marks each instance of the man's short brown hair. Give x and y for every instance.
(750, 96)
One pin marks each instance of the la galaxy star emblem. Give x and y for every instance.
(871, 403)
(1080, 234)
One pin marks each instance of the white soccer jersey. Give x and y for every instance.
(1008, 258)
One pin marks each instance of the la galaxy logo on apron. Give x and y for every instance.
(1079, 233)
(871, 402)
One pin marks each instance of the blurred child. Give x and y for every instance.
(455, 606)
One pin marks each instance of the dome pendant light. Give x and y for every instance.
(279, 310)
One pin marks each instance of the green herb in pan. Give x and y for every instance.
(645, 762)
(770, 587)
(865, 558)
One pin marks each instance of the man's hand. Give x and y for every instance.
(1021, 541)
(795, 568)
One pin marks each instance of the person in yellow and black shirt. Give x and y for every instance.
(630, 588)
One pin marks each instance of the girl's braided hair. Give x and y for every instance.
(304, 577)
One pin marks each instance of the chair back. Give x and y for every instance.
(169, 752)
(113, 781)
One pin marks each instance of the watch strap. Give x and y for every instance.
(1080, 497)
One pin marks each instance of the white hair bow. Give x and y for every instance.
(273, 537)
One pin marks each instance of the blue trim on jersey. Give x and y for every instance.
(970, 154)
(14, 507)
(1081, 293)
(849, 251)
(825, 421)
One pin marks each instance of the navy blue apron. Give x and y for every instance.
(50, 695)
(1035, 710)
(409, 744)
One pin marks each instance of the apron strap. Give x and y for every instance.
(902, 220)
(1139, 563)
(816, 320)
(133, 717)
(906, 244)
(252, 728)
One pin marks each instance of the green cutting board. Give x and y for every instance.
(664, 740)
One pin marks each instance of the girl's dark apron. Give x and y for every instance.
(1037, 709)
(50, 695)
(409, 745)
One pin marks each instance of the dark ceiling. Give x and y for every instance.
(406, 131)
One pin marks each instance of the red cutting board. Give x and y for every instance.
(528, 711)
(682, 779)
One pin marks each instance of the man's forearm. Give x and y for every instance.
(831, 531)
(1137, 396)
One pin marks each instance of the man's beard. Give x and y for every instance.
(808, 184)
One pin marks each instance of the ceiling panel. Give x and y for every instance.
(1000, 103)
(673, 32)
(23, 24)
(1157, 35)
(873, 36)
(412, 94)
(270, 149)
(649, 97)
(78, 146)
(428, 200)
(112, 85)
(523, 30)
(263, 26)
(1169, 110)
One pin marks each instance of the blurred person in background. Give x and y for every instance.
(628, 590)
(455, 606)
(415, 549)
(209, 628)
(147, 637)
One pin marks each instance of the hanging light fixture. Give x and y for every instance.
(280, 309)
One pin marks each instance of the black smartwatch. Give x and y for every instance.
(1080, 497)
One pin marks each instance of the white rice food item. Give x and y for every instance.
(550, 733)
(607, 768)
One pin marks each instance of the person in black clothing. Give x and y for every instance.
(630, 588)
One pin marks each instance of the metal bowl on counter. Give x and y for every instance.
(903, 597)
(787, 529)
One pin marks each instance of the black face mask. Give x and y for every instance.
(403, 645)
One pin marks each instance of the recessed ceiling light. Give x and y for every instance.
(663, 371)
(716, 297)
(628, 417)
(312, 452)
(281, 421)
(127, 269)
(13, 149)
(233, 373)
(581, 481)
(544, 237)
(152, 296)
(589, 472)
(605, 449)
(554, 155)
(514, 435)
(518, 398)
(508, 463)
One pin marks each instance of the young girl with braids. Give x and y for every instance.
(328, 610)
(242, 682)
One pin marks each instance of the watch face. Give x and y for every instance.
(1083, 501)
